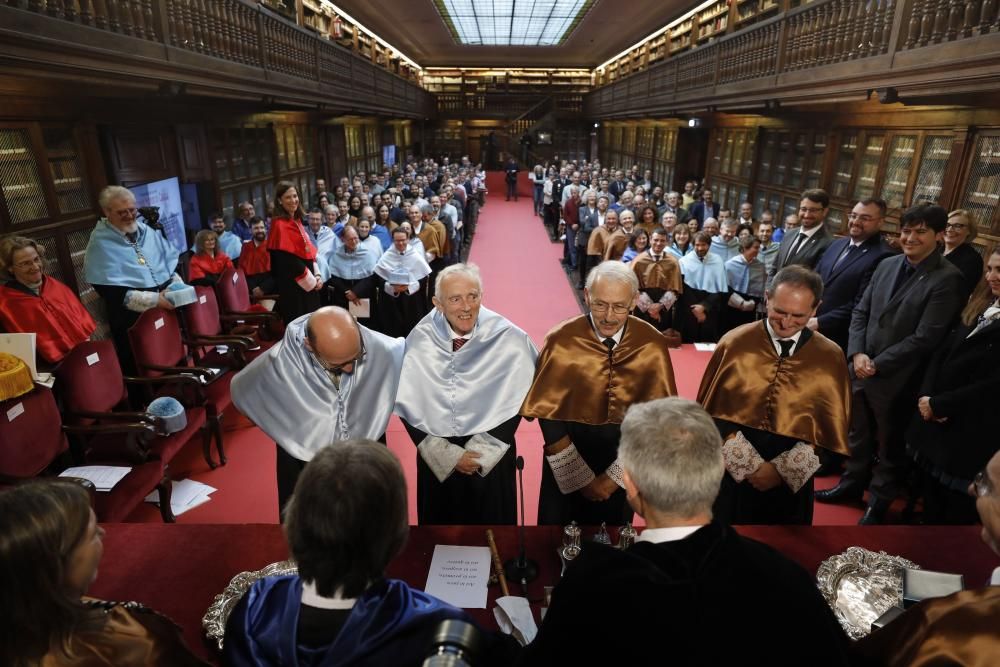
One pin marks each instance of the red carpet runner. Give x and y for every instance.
(524, 281)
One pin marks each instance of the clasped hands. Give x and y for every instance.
(600, 488)
(864, 367)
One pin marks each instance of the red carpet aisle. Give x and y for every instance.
(524, 281)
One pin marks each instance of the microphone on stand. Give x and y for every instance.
(521, 569)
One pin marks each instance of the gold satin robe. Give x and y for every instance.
(806, 396)
(577, 381)
(607, 245)
(663, 275)
(960, 629)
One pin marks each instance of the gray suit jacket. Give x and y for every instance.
(901, 332)
(588, 223)
(808, 255)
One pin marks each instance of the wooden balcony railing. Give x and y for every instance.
(832, 47)
(237, 32)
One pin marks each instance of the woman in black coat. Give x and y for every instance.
(959, 234)
(954, 435)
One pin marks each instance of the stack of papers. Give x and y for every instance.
(185, 495)
(103, 477)
(705, 347)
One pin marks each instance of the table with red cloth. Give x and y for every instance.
(179, 569)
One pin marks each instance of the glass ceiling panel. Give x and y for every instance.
(512, 22)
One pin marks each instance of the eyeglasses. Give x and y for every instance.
(28, 263)
(982, 484)
(601, 307)
(955, 225)
(127, 212)
(339, 368)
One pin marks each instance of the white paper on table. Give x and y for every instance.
(103, 477)
(514, 617)
(362, 309)
(185, 495)
(705, 347)
(459, 575)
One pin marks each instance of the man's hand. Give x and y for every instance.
(699, 313)
(924, 405)
(600, 488)
(765, 478)
(399, 289)
(864, 367)
(467, 465)
(351, 296)
(163, 302)
(257, 293)
(575, 227)
(813, 324)
(319, 283)
(654, 311)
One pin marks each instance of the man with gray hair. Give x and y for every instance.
(464, 376)
(688, 577)
(590, 370)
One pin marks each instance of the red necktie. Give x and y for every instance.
(457, 343)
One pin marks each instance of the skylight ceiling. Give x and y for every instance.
(512, 22)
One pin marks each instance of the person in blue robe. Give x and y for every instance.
(130, 265)
(705, 290)
(345, 522)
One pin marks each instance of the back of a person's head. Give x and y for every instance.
(672, 450)
(348, 517)
(41, 523)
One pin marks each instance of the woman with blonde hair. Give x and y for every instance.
(208, 262)
(959, 233)
(953, 435)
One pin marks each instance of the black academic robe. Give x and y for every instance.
(741, 503)
(691, 330)
(396, 315)
(714, 598)
(469, 499)
(293, 301)
(364, 288)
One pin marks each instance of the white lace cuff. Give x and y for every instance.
(490, 451)
(614, 471)
(140, 301)
(644, 302)
(570, 470)
(741, 459)
(668, 300)
(796, 465)
(735, 301)
(440, 456)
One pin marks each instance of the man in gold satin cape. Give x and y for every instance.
(776, 391)
(590, 370)
(958, 629)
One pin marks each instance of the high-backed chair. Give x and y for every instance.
(94, 393)
(205, 333)
(237, 310)
(159, 349)
(33, 443)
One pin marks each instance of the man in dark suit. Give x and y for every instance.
(902, 317)
(687, 575)
(706, 208)
(847, 267)
(618, 185)
(806, 245)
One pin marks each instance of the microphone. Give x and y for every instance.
(521, 569)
